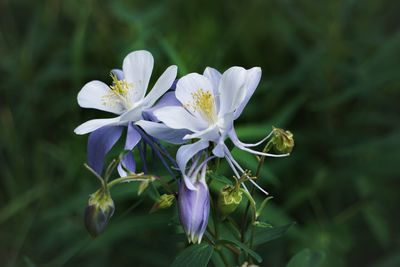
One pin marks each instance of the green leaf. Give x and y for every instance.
(244, 248)
(194, 256)
(264, 235)
(263, 225)
(220, 178)
(262, 206)
(307, 258)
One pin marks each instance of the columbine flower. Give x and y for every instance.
(210, 104)
(125, 97)
(194, 204)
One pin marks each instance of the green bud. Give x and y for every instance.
(165, 201)
(98, 212)
(229, 199)
(282, 141)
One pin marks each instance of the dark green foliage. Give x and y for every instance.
(265, 234)
(196, 255)
(331, 75)
(306, 258)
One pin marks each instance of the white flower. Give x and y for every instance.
(126, 96)
(210, 104)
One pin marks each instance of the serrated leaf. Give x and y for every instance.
(244, 248)
(307, 258)
(194, 256)
(264, 235)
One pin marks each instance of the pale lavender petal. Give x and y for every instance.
(100, 143)
(118, 73)
(206, 209)
(151, 142)
(128, 161)
(162, 132)
(169, 99)
(132, 139)
(173, 86)
(218, 150)
(142, 152)
(194, 209)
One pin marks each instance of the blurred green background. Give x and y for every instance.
(331, 75)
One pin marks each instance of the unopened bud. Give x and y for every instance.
(165, 201)
(194, 209)
(282, 141)
(98, 212)
(229, 199)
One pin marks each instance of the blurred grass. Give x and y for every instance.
(331, 75)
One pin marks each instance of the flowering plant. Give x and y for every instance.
(197, 113)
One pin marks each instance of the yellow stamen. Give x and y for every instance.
(120, 90)
(203, 102)
(119, 87)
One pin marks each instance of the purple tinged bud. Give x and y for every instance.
(194, 209)
(98, 212)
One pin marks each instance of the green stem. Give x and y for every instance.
(130, 178)
(217, 163)
(249, 203)
(95, 174)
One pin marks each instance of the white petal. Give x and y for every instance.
(162, 85)
(209, 134)
(134, 114)
(240, 145)
(233, 133)
(137, 68)
(94, 95)
(252, 81)
(179, 118)
(188, 85)
(92, 125)
(214, 76)
(161, 131)
(187, 152)
(232, 89)
(219, 150)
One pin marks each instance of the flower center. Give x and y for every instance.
(203, 102)
(120, 93)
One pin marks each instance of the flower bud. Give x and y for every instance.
(282, 141)
(194, 208)
(229, 199)
(165, 201)
(98, 212)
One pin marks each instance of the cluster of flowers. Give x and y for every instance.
(197, 112)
